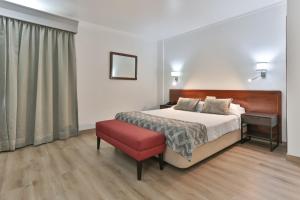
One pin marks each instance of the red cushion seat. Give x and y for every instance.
(133, 136)
(135, 141)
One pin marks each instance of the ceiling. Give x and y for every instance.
(155, 19)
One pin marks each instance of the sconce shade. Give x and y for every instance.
(262, 66)
(175, 74)
(262, 69)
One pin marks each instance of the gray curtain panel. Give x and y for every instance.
(38, 93)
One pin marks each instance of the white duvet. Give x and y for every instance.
(217, 125)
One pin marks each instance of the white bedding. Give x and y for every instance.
(217, 125)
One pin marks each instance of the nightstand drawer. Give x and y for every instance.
(256, 120)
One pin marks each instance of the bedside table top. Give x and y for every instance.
(261, 119)
(254, 114)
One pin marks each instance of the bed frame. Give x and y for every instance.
(252, 100)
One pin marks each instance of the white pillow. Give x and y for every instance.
(199, 106)
(236, 109)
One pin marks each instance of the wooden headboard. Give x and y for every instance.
(252, 101)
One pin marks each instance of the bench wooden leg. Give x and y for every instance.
(139, 169)
(98, 143)
(161, 161)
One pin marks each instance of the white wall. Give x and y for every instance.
(100, 98)
(293, 80)
(224, 55)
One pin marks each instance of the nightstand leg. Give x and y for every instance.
(271, 139)
(278, 139)
(242, 134)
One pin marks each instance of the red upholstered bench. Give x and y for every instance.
(139, 143)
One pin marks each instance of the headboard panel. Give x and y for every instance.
(251, 100)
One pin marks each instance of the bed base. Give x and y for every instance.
(202, 152)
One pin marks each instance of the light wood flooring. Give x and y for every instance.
(73, 169)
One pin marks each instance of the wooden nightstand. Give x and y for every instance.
(260, 126)
(168, 105)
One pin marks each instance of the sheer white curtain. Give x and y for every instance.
(38, 93)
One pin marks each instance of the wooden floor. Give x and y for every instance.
(73, 169)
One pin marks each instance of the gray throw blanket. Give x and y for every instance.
(182, 137)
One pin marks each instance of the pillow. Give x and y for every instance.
(210, 97)
(236, 109)
(186, 104)
(199, 106)
(217, 106)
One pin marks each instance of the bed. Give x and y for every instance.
(222, 130)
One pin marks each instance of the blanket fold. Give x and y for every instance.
(181, 136)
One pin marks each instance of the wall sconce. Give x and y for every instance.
(262, 69)
(176, 77)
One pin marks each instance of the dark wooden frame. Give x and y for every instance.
(269, 121)
(111, 54)
(269, 102)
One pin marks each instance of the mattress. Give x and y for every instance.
(203, 151)
(216, 125)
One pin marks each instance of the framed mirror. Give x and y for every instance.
(123, 66)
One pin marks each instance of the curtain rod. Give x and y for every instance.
(23, 13)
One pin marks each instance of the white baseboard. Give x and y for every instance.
(83, 127)
(294, 159)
